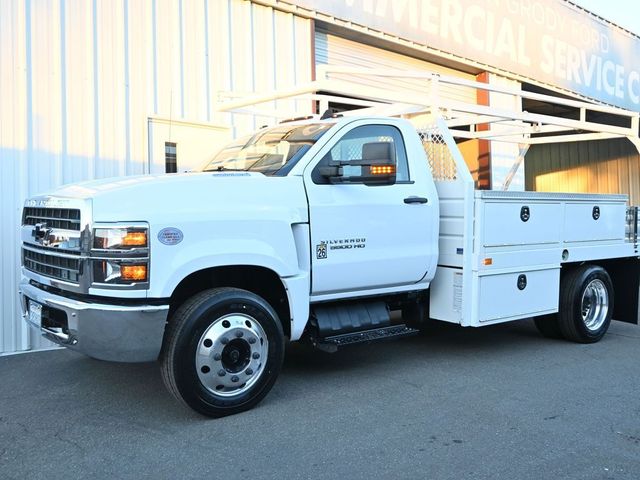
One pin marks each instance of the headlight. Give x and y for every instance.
(120, 238)
(120, 255)
(118, 272)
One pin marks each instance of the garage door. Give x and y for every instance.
(335, 50)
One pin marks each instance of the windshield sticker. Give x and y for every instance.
(170, 236)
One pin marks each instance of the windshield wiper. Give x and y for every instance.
(222, 168)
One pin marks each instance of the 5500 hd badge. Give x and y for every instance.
(339, 244)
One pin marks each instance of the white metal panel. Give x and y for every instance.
(14, 138)
(580, 225)
(23, 143)
(500, 298)
(446, 295)
(79, 141)
(81, 78)
(110, 89)
(560, 228)
(45, 96)
(218, 54)
(335, 50)
(287, 72)
(264, 48)
(194, 142)
(166, 43)
(301, 34)
(502, 224)
(139, 69)
(242, 59)
(192, 54)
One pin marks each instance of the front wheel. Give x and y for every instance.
(223, 351)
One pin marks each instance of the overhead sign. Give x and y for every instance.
(548, 41)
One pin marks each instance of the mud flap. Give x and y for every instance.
(625, 275)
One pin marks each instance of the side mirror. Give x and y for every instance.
(378, 172)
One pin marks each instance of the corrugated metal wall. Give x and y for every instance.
(335, 50)
(79, 78)
(604, 166)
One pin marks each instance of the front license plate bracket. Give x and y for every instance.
(35, 313)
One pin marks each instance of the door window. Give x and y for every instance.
(370, 142)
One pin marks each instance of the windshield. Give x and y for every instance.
(272, 151)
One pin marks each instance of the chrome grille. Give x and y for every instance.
(51, 264)
(64, 218)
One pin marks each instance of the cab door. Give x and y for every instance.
(367, 236)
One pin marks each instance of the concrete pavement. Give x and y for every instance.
(500, 402)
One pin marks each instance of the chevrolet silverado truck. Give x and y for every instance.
(335, 232)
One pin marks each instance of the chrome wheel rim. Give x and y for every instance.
(594, 305)
(231, 355)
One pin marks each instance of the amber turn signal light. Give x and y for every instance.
(382, 169)
(133, 273)
(135, 239)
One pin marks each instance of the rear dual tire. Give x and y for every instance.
(586, 306)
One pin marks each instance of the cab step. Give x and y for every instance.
(333, 343)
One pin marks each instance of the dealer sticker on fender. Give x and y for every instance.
(170, 236)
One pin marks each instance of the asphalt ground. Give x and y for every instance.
(493, 403)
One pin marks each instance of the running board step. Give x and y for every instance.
(341, 318)
(331, 344)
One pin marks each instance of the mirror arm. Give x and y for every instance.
(331, 171)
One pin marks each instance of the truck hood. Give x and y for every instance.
(177, 198)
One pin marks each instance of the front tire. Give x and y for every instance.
(222, 352)
(586, 304)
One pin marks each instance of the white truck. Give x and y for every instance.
(314, 230)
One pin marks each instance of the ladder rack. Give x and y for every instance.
(464, 120)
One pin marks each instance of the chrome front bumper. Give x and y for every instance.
(107, 332)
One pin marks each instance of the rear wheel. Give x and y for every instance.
(586, 304)
(223, 351)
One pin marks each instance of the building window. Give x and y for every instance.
(170, 157)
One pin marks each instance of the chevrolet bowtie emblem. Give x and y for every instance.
(40, 232)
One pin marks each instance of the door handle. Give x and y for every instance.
(415, 200)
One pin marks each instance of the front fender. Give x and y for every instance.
(168, 271)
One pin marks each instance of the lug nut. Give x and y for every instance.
(255, 355)
(217, 357)
(249, 371)
(221, 372)
(252, 340)
(224, 340)
(239, 333)
(234, 378)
